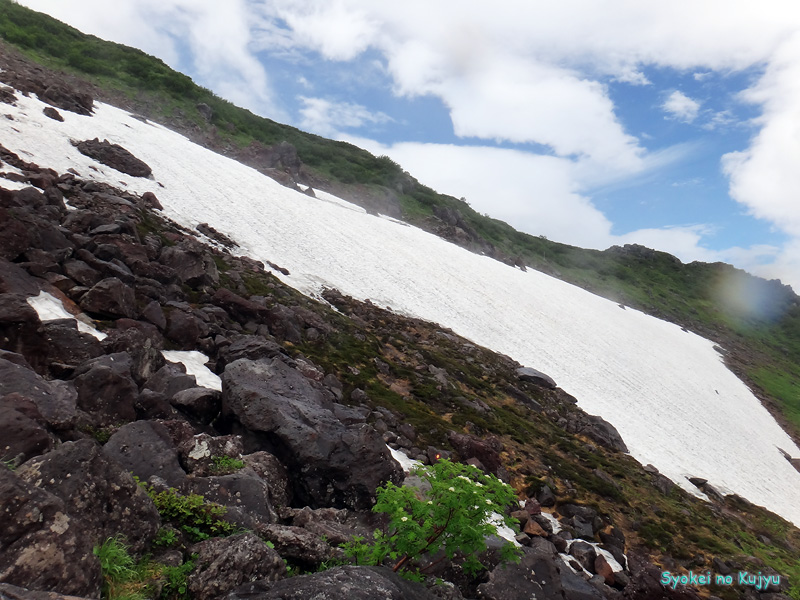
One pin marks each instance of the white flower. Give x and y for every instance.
(478, 483)
(430, 501)
(452, 489)
(488, 502)
(404, 519)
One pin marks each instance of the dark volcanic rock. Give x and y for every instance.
(239, 308)
(55, 401)
(171, 379)
(270, 469)
(297, 544)
(199, 403)
(536, 377)
(330, 464)
(486, 451)
(146, 449)
(540, 574)
(22, 434)
(107, 391)
(223, 564)
(114, 156)
(13, 592)
(51, 112)
(20, 331)
(41, 545)
(63, 96)
(142, 343)
(585, 554)
(339, 583)
(96, 490)
(110, 298)
(193, 265)
(243, 491)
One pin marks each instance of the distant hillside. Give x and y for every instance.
(763, 344)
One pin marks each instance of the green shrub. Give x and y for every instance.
(191, 513)
(226, 464)
(455, 516)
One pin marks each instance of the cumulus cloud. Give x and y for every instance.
(765, 178)
(328, 118)
(218, 35)
(532, 73)
(679, 106)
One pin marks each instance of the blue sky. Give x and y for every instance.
(674, 125)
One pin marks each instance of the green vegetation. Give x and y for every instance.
(121, 578)
(226, 464)
(453, 516)
(126, 579)
(191, 513)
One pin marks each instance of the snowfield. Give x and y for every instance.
(667, 391)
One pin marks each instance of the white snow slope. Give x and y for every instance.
(667, 391)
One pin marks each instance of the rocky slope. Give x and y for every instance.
(294, 445)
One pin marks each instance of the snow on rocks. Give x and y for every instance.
(195, 363)
(50, 308)
(666, 391)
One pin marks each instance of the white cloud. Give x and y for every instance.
(527, 72)
(328, 118)
(218, 35)
(679, 106)
(765, 178)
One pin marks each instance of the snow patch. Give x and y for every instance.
(405, 462)
(50, 308)
(195, 363)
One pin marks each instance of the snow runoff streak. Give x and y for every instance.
(667, 391)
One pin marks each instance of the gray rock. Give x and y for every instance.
(540, 574)
(107, 392)
(13, 592)
(55, 401)
(97, 490)
(536, 377)
(270, 469)
(584, 553)
(297, 544)
(330, 464)
(41, 545)
(339, 583)
(110, 298)
(199, 403)
(225, 563)
(243, 490)
(146, 449)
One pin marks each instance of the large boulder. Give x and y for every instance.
(223, 564)
(13, 592)
(110, 297)
(536, 377)
(339, 583)
(486, 451)
(55, 401)
(244, 493)
(194, 266)
(106, 390)
(22, 431)
(330, 464)
(114, 156)
(42, 547)
(240, 309)
(540, 574)
(96, 490)
(20, 330)
(145, 448)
